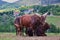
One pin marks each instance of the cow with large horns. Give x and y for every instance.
(32, 23)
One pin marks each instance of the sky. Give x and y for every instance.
(10, 1)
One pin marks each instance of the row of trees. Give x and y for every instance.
(55, 9)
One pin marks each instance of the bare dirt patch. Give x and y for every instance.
(14, 37)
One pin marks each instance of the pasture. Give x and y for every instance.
(12, 36)
(7, 29)
(50, 36)
(54, 20)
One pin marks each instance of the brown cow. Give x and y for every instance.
(40, 27)
(40, 31)
(29, 22)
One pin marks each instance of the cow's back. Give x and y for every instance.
(25, 20)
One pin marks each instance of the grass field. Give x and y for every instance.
(54, 20)
(12, 36)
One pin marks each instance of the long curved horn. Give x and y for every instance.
(45, 15)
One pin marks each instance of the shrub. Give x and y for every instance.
(53, 29)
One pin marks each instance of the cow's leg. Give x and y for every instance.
(17, 31)
(29, 31)
(20, 33)
(17, 28)
(24, 31)
(21, 30)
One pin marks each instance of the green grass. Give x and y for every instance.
(54, 20)
(7, 36)
(53, 34)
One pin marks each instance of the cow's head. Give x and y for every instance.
(43, 17)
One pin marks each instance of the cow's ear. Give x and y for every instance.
(45, 15)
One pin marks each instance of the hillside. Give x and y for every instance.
(37, 2)
(54, 20)
(4, 5)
